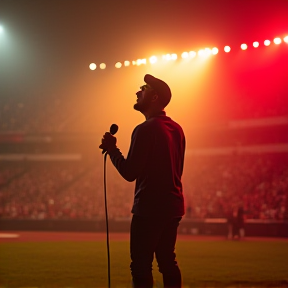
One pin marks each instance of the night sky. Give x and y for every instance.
(47, 46)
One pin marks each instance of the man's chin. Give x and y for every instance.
(137, 107)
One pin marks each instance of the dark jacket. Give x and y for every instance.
(155, 160)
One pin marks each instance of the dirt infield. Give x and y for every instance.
(32, 236)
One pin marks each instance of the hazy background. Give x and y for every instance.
(47, 46)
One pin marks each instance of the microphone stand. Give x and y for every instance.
(106, 214)
(113, 130)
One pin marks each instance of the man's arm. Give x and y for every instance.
(140, 147)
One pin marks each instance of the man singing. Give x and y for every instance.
(155, 160)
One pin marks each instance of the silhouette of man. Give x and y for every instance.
(155, 160)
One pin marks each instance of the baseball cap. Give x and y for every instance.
(162, 89)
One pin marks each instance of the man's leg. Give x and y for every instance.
(144, 235)
(166, 256)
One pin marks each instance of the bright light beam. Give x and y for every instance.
(102, 66)
(227, 49)
(207, 51)
(185, 55)
(167, 57)
(174, 56)
(215, 50)
(255, 44)
(277, 41)
(267, 42)
(192, 54)
(286, 39)
(92, 66)
(153, 59)
(244, 46)
(1, 29)
(201, 52)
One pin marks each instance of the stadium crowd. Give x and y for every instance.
(213, 185)
(220, 184)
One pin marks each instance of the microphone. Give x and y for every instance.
(113, 130)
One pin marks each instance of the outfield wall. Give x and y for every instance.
(253, 228)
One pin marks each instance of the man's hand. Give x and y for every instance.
(108, 142)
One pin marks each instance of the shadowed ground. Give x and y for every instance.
(56, 259)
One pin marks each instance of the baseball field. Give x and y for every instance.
(76, 260)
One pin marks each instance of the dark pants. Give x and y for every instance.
(149, 236)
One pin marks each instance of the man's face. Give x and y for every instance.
(144, 98)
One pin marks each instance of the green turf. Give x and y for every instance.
(84, 264)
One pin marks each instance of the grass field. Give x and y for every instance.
(84, 264)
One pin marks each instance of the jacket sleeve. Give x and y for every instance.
(140, 147)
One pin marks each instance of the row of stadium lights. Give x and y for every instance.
(192, 54)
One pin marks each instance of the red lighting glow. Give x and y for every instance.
(255, 44)
(227, 49)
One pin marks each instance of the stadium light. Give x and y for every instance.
(207, 51)
(227, 49)
(277, 41)
(192, 54)
(201, 52)
(140, 61)
(267, 42)
(153, 59)
(126, 63)
(167, 57)
(174, 56)
(244, 46)
(92, 66)
(102, 66)
(215, 50)
(185, 55)
(255, 44)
